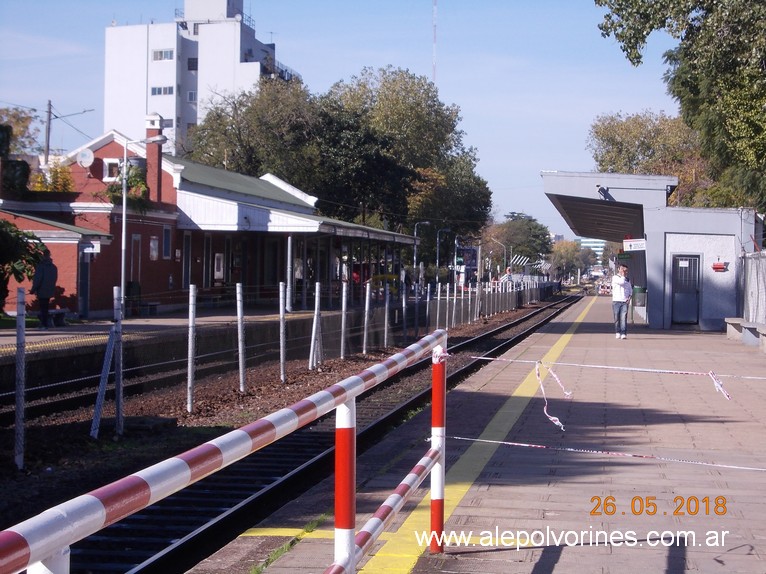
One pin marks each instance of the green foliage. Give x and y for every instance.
(404, 109)
(646, 143)
(59, 178)
(138, 192)
(716, 73)
(650, 143)
(19, 253)
(522, 234)
(270, 129)
(25, 132)
(371, 150)
(357, 175)
(565, 259)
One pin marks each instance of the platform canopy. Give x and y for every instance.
(212, 199)
(606, 206)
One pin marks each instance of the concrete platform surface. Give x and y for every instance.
(655, 470)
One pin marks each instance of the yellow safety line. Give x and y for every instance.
(401, 552)
(299, 533)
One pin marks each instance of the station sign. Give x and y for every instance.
(634, 244)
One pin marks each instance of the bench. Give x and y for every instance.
(750, 333)
(58, 317)
(734, 328)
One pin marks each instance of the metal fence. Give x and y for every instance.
(754, 288)
(78, 356)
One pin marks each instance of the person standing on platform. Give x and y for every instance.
(622, 291)
(44, 285)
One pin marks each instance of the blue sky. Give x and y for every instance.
(529, 76)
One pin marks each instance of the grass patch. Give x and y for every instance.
(8, 322)
(285, 548)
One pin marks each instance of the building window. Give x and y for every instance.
(166, 123)
(154, 248)
(158, 55)
(195, 29)
(162, 90)
(111, 170)
(192, 97)
(192, 64)
(166, 242)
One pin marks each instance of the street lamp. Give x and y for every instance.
(505, 253)
(415, 249)
(158, 139)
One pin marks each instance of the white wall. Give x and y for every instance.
(221, 70)
(718, 290)
(709, 233)
(130, 73)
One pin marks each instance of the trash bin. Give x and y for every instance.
(639, 296)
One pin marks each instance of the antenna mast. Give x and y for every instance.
(433, 78)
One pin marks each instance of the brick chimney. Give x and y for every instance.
(154, 157)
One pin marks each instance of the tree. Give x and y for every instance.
(269, 129)
(716, 73)
(611, 250)
(650, 143)
(369, 150)
(523, 234)
(355, 175)
(588, 258)
(59, 178)
(404, 109)
(565, 258)
(25, 130)
(19, 253)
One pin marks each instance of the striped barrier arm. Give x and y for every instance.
(349, 549)
(51, 532)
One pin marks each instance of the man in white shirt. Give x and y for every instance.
(622, 291)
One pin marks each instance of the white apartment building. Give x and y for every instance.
(176, 69)
(597, 245)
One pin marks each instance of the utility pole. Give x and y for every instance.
(433, 78)
(48, 117)
(48, 133)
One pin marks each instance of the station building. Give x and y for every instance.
(686, 264)
(193, 225)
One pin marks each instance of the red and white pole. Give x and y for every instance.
(345, 484)
(438, 434)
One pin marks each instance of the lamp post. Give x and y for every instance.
(505, 253)
(158, 139)
(120, 315)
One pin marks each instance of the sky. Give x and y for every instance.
(529, 76)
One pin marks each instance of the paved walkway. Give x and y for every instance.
(651, 454)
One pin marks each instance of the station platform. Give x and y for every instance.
(655, 470)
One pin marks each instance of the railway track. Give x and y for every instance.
(176, 533)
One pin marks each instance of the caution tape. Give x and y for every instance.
(567, 394)
(608, 453)
(717, 383)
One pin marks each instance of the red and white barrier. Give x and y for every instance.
(350, 549)
(45, 538)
